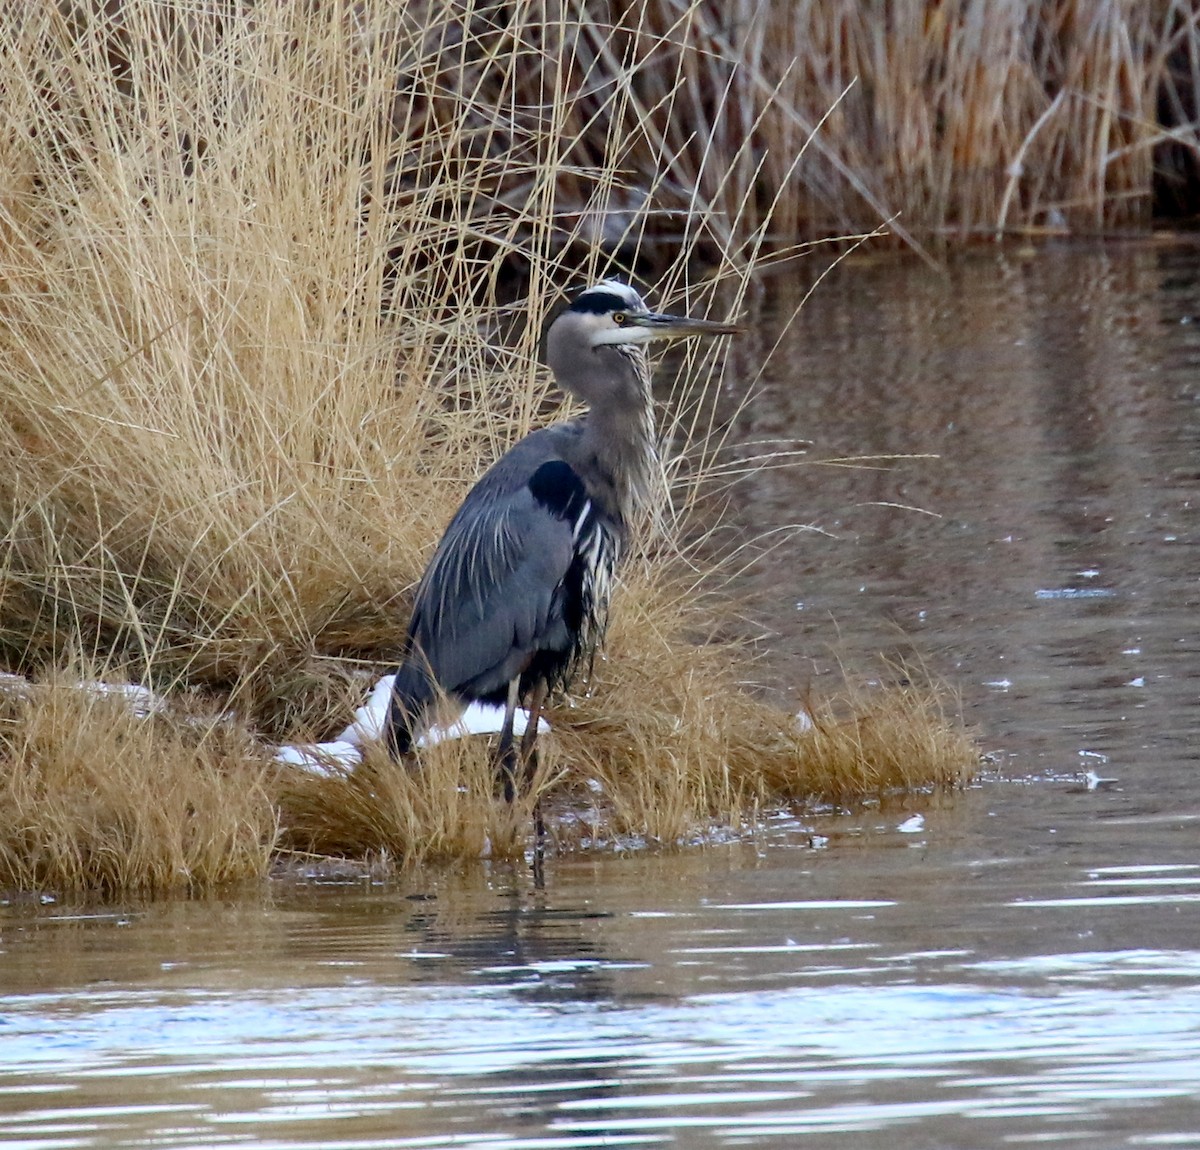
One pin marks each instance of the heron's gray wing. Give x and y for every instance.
(492, 594)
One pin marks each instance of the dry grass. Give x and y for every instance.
(259, 329)
(95, 799)
(974, 117)
(446, 809)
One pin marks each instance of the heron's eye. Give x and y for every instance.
(619, 318)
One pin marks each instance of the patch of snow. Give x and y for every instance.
(141, 700)
(345, 752)
(324, 759)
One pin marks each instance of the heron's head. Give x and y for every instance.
(613, 314)
(602, 336)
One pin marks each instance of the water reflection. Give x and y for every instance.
(1017, 964)
(726, 1018)
(1060, 396)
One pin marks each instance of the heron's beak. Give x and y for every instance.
(680, 326)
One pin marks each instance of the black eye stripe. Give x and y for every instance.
(599, 303)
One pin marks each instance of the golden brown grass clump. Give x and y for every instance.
(97, 797)
(258, 332)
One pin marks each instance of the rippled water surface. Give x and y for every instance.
(1015, 965)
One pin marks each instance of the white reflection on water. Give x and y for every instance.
(739, 1065)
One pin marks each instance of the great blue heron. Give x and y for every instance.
(516, 596)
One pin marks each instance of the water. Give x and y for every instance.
(1015, 965)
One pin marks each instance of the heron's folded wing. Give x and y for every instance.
(489, 597)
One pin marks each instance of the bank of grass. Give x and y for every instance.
(664, 747)
(261, 325)
(96, 797)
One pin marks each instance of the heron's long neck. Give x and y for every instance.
(622, 442)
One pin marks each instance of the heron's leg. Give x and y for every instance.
(507, 751)
(537, 700)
